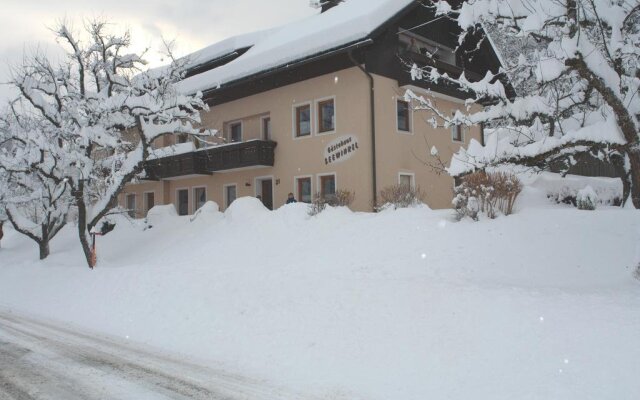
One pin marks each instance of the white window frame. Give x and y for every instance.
(228, 133)
(317, 115)
(145, 203)
(224, 193)
(295, 186)
(193, 193)
(411, 128)
(463, 129)
(411, 174)
(177, 204)
(319, 181)
(294, 125)
(262, 132)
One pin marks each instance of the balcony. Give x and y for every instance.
(255, 153)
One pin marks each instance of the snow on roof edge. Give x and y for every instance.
(348, 23)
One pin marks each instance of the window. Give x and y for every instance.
(235, 132)
(183, 202)
(131, 205)
(149, 201)
(229, 195)
(199, 197)
(403, 116)
(327, 185)
(182, 138)
(406, 180)
(303, 189)
(326, 116)
(266, 128)
(303, 121)
(457, 133)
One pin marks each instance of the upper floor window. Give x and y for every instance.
(235, 132)
(266, 128)
(404, 117)
(326, 116)
(303, 120)
(457, 132)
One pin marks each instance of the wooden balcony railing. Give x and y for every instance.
(207, 161)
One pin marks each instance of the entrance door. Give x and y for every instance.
(266, 192)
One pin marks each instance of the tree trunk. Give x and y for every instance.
(634, 161)
(43, 245)
(83, 230)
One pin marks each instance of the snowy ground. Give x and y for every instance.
(401, 305)
(40, 360)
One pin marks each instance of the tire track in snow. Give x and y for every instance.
(81, 361)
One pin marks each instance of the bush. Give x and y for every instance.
(400, 196)
(488, 193)
(342, 198)
(587, 199)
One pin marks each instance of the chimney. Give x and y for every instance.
(327, 4)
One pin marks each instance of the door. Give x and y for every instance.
(183, 202)
(150, 201)
(266, 192)
(230, 195)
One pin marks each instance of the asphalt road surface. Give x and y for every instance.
(41, 360)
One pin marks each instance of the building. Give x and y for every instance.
(318, 105)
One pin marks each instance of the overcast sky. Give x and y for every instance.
(193, 23)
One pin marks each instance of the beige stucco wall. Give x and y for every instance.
(402, 152)
(396, 152)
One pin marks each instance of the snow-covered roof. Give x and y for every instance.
(225, 47)
(349, 22)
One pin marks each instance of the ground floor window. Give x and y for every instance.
(407, 180)
(199, 198)
(229, 195)
(131, 205)
(303, 189)
(183, 202)
(149, 201)
(327, 185)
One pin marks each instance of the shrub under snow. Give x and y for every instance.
(488, 193)
(587, 199)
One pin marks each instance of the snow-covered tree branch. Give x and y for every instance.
(99, 113)
(574, 68)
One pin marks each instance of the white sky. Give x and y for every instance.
(192, 23)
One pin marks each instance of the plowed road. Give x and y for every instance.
(41, 360)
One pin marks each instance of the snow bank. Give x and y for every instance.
(403, 304)
(245, 209)
(565, 189)
(161, 214)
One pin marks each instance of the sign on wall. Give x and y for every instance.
(340, 149)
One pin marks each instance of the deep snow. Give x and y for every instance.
(404, 304)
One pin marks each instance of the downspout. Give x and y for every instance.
(373, 129)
